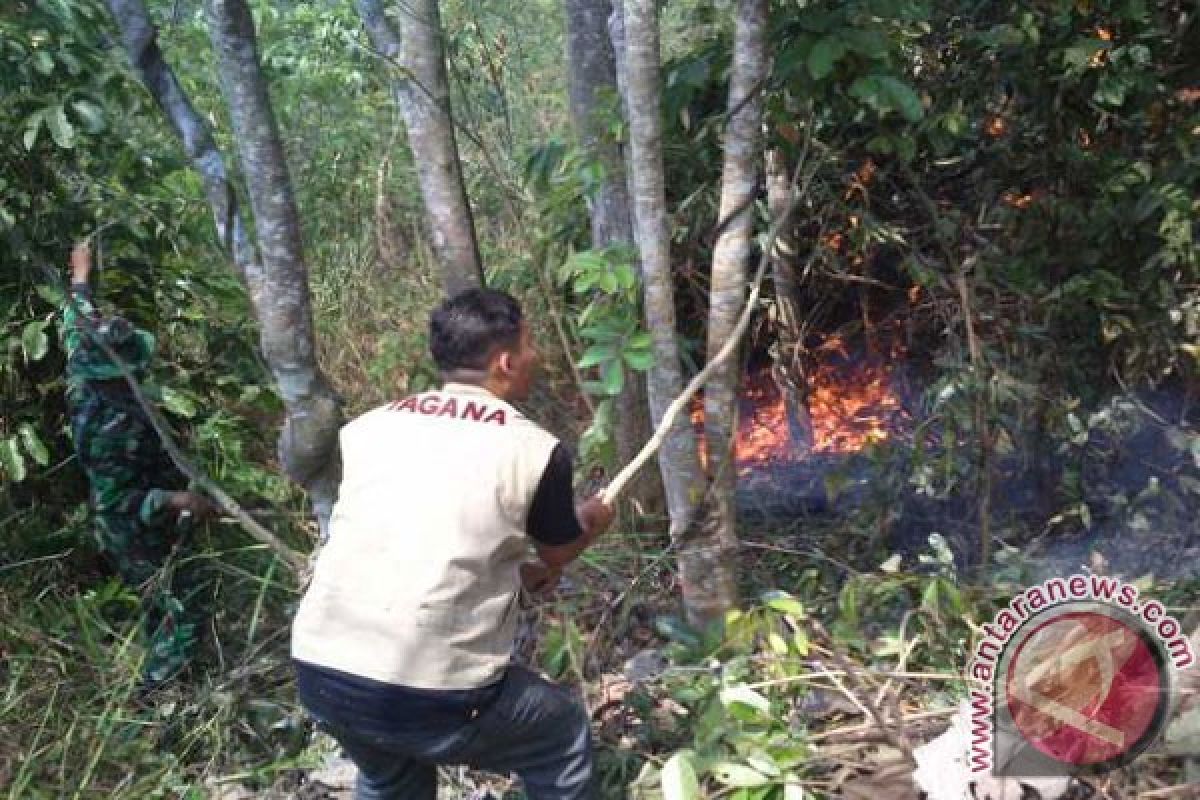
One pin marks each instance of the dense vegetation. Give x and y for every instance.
(1002, 196)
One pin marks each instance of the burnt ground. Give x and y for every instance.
(1127, 488)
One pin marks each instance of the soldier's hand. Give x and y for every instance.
(81, 261)
(192, 505)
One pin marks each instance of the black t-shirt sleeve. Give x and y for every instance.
(552, 519)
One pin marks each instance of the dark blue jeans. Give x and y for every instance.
(524, 724)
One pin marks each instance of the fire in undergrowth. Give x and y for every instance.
(850, 404)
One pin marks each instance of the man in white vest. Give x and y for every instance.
(451, 501)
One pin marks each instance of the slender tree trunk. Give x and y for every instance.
(308, 442)
(616, 37)
(739, 183)
(788, 370)
(592, 72)
(678, 460)
(422, 93)
(783, 255)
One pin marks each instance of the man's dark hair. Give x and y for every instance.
(466, 329)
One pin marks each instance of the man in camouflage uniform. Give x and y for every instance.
(141, 510)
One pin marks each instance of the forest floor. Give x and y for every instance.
(857, 717)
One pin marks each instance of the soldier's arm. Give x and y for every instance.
(112, 493)
(79, 300)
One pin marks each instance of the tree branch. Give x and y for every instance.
(140, 41)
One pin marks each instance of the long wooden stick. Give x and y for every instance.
(193, 473)
(611, 492)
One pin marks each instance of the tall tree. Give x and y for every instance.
(739, 183)
(678, 460)
(414, 48)
(277, 282)
(591, 87)
(308, 443)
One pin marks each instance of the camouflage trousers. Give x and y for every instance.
(150, 563)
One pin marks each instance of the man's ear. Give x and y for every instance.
(504, 362)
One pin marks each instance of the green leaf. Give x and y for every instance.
(642, 340)
(33, 124)
(929, 598)
(612, 378)
(72, 63)
(785, 604)
(90, 114)
(33, 445)
(51, 294)
(676, 630)
(824, 55)
(43, 62)
(739, 775)
(588, 261)
(60, 128)
(625, 276)
(885, 93)
(585, 281)
(601, 333)
(762, 761)
(872, 43)
(1080, 54)
(955, 123)
(11, 459)
(34, 340)
(641, 360)
(178, 403)
(747, 697)
(679, 780)
(597, 354)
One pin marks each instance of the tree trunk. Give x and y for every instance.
(422, 93)
(616, 37)
(739, 182)
(699, 561)
(592, 72)
(308, 443)
(789, 372)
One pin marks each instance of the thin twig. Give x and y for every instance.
(895, 734)
(949, 677)
(852, 730)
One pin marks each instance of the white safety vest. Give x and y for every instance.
(417, 585)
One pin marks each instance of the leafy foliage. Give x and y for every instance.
(1029, 167)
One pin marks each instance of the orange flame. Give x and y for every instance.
(850, 405)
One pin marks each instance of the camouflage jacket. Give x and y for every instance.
(128, 471)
